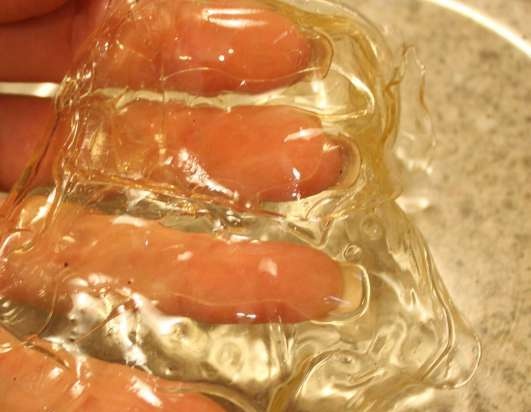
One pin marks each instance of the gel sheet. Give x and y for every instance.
(211, 225)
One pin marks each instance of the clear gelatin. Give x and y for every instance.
(212, 225)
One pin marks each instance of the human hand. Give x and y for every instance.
(38, 43)
(261, 153)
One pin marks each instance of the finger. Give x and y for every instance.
(15, 10)
(42, 49)
(251, 153)
(32, 381)
(197, 47)
(188, 274)
(27, 47)
(202, 47)
(23, 122)
(274, 153)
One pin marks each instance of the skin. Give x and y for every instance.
(37, 45)
(203, 48)
(251, 153)
(189, 274)
(43, 49)
(263, 152)
(236, 59)
(270, 153)
(264, 281)
(31, 381)
(21, 119)
(16, 10)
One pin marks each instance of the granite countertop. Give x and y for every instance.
(479, 226)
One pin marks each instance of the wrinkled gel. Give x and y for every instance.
(214, 209)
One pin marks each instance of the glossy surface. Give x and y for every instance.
(250, 153)
(35, 377)
(275, 153)
(186, 274)
(202, 48)
(129, 266)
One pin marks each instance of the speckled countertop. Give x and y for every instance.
(479, 226)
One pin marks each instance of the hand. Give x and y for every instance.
(32, 381)
(38, 43)
(259, 153)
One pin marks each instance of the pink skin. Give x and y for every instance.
(31, 381)
(252, 153)
(188, 274)
(270, 281)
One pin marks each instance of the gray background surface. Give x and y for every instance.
(479, 224)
